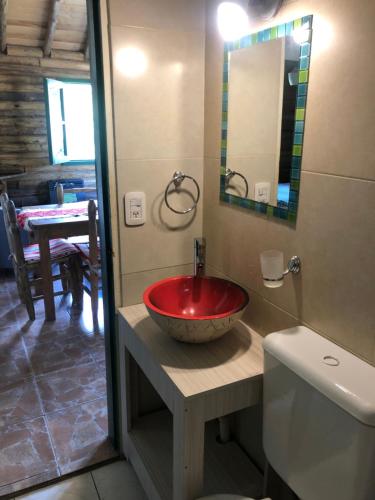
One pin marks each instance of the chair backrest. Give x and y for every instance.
(12, 230)
(60, 193)
(4, 201)
(75, 192)
(93, 233)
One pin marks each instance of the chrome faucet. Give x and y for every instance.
(199, 256)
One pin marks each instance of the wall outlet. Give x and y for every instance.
(135, 208)
(262, 192)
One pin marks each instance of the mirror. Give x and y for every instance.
(265, 83)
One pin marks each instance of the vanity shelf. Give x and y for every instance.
(175, 452)
(226, 467)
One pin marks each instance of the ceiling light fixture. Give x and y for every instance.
(264, 9)
(232, 21)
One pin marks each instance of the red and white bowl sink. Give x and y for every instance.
(195, 309)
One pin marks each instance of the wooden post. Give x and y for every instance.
(87, 48)
(3, 25)
(52, 23)
(46, 273)
(188, 451)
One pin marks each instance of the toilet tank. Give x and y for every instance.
(319, 416)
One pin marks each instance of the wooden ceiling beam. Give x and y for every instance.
(3, 25)
(52, 23)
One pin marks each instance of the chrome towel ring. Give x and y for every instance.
(177, 180)
(229, 174)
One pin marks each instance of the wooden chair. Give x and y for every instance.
(26, 261)
(61, 191)
(90, 255)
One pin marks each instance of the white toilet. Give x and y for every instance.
(318, 417)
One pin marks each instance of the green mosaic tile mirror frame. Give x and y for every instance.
(279, 31)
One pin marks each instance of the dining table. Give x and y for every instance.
(48, 222)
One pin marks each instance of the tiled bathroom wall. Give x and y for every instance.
(169, 118)
(160, 128)
(335, 230)
(158, 122)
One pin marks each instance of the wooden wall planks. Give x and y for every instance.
(23, 132)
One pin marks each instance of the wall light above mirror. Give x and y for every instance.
(265, 82)
(233, 19)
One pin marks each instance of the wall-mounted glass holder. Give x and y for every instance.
(272, 265)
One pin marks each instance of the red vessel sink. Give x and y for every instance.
(195, 309)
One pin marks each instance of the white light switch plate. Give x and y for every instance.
(262, 192)
(135, 208)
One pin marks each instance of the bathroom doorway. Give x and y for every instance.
(56, 391)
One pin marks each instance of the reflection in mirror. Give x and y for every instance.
(264, 99)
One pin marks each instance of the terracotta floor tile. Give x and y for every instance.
(14, 365)
(19, 402)
(11, 337)
(6, 302)
(67, 357)
(23, 317)
(102, 367)
(41, 332)
(84, 319)
(79, 435)
(26, 456)
(71, 386)
(7, 283)
(9, 329)
(63, 320)
(58, 354)
(8, 318)
(97, 348)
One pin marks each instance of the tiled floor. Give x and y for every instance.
(53, 410)
(116, 481)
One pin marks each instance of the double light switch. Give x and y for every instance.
(135, 208)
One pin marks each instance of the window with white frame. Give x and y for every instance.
(70, 121)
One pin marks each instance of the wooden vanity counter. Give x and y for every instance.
(197, 382)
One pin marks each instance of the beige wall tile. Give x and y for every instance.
(235, 236)
(159, 114)
(335, 222)
(263, 316)
(335, 238)
(167, 238)
(338, 114)
(178, 15)
(158, 126)
(213, 87)
(136, 283)
(335, 230)
(342, 41)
